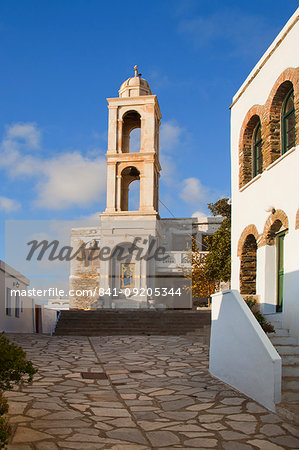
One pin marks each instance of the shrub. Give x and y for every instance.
(4, 427)
(14, 369)
(4, 430)
(253, 306)
(3, 405)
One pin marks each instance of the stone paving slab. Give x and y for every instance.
(158, 394)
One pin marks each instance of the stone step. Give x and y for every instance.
(288, 411)
(275, 319)
(127, 327)
(131, 325)
(283, 340)
(290, 360)
(133, 322)
(120, 331)
(287, 349)
(153, 312)
(290, 384)
(124, 330)
(279, 332)
(109, 332)
(127, 323)
(127, 320)
(290, 371)
(134, 312)
(290, 396)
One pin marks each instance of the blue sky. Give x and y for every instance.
(60, 60)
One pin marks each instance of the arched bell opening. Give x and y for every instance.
(131, 132)
(130, 199)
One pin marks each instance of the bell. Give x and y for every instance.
(134, 172)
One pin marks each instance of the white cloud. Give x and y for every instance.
(71, 180)
(170, 133)
(27, 133)
(199, 214)
(8, 204)
(19, 140)
(168, 174)
(193, 192)
(93, 217)
(62, 181)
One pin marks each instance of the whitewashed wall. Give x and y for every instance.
(25, 323)
(241, 353)
(278, 186)
(11, 324)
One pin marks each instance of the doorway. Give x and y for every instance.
(280, 270)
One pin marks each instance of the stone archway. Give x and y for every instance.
(277, 221)
(250, 229)
(248, 266)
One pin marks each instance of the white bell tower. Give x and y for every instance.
(135, 108)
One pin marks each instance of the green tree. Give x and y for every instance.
(200, 283)
(207, 271)
(218, 260)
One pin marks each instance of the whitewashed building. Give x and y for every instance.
(18, 312)
(265, 180)
(265, 234)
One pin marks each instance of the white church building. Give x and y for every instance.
(134, 259)
(265, 180)
(265, 234)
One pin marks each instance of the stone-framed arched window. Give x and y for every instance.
(279, 118)
(250, 229)
(250, 149)
(285, 86)
(248, 266)
(257, 154)
(288, 123)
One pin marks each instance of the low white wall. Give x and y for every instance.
(241, 353)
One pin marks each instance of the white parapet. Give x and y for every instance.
(241, 354)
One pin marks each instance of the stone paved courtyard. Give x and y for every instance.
(153, 392)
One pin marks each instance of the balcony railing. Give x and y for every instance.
(176, 260)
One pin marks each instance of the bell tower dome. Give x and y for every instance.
(135, 86)
(135, 108)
